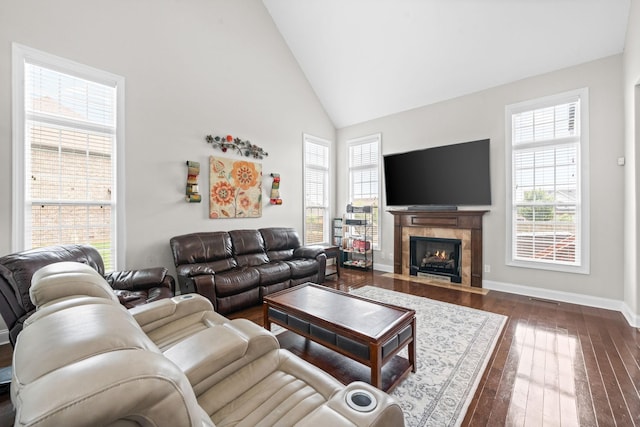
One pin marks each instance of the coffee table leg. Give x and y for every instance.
(412, 346)
(376, 366)
(265, 316)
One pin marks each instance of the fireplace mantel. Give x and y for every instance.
(427, 220)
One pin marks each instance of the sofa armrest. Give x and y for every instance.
(111, 389)
(142, 279)
(205, 285)
(386, 412)
(212, 354)
(309, 251)
(159, 313)
(314, 252)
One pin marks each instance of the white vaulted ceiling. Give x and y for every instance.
(371, 58)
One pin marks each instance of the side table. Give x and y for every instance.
(333, 251)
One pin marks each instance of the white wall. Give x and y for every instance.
(220, 66)
(481, 115)
(191, 69)
(631, 87)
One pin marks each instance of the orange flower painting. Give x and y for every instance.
(244, 174)
(235, 188)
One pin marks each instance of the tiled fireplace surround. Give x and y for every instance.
(463, 225)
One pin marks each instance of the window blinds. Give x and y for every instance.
(364, 186)
(316, 184)
(546, 191)
(69, 149)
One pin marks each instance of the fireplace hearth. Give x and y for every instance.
(431, 256)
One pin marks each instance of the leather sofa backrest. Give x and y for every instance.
(81, 339)
(280, 242)
(16, 271)
(202, 253)
(67, 279)
(18, 268)
(248, 248)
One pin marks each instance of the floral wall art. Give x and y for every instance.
(235, 188)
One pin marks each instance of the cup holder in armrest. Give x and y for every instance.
(361, 400)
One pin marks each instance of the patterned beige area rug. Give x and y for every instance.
(454, 345)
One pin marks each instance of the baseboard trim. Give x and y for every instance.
(632, 318)
(383, 267)
(568, 297)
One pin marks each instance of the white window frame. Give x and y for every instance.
(582, 200)
(369, 139)
(20, 55)
(326, 205)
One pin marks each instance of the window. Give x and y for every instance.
(548, 183)
(364, 177)
(316, 190)
(66, 136)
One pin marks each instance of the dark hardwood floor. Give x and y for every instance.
(556, 364)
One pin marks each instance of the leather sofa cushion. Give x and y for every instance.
(277, 238)
(198, 359)
(274, 287)
(213, 267)
(236, 281)
(132, 299)
(236, 302)
(280, 242)
(302, 267)
(274, 272)
(201, 247)
(281, 255)
(237, 343)
(133, 280)
(248, 247)
(277, 389)
(311, 251)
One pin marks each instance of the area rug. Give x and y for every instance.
(454, 345)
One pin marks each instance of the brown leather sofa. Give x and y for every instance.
(132, 287)
(235, 269)
(84, 360)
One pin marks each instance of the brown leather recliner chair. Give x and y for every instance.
(132, 287)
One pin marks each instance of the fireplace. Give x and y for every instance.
(435, 258)
(462, 225)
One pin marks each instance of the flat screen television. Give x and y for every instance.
(440, 177)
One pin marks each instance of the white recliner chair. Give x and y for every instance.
(84, 360)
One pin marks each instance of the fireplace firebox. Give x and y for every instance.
(435, 257)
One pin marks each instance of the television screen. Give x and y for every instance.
(450, 175)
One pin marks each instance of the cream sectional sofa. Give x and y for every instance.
(85, 360)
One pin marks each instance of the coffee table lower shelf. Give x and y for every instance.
(343, 368)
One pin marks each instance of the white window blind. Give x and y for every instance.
(364, 177)
(316, 189)
(69, 148)
(547, 200)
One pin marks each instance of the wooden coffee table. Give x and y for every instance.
(364, 330)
